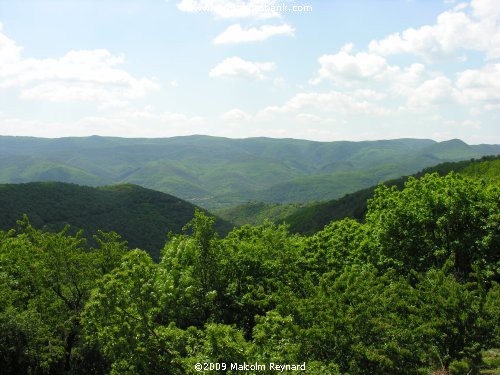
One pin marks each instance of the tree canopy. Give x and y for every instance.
(412, 290)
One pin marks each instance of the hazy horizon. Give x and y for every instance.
(243, 137)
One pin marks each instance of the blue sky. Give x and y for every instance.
(337, 70)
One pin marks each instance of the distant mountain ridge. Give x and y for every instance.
(216, 172)
(142, 216)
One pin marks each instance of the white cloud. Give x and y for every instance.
(367, 77)
(439, 90)
(89, 75)
(403, 82)
(114, 104)
(10, 52)
(486, 9)
(332, 101)
(455, 31)
(471, 124)
(460, 6)
(367, 94)
(237, 67)
(235, 115)
(236, 34)
(474, 124)
(345, 67)
(475, 89)
(480, 85)
(370, 73)
(309, 118)
(233, 9)
(279, 82)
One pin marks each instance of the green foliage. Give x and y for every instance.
(454, 321)
(312, 218)
(340, 244)
(491, 359)
(190, 266)
(120, 318)
(261, 268)
(141, 215)
(435, 218)
(275, 338)
(255, 213)
(411, 291)
(361, 322)
(488, 169)
(45, 280)
(223, 344)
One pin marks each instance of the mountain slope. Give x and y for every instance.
(220, 172)
(255, 213)
(142, 216)
(312, 218)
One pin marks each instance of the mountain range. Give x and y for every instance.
(215, 172)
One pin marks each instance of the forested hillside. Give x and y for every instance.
(412, 290)
(142, 216)
(217, 172)
(311, 217)
(255, 213)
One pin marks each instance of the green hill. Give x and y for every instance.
(488, 170)
(142, 216)
(312, 218)
(255, 213)
(218, 172)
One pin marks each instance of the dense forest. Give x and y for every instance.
(411, 290)
(142, 216)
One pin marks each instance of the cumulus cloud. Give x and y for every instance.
(370, 73)
(484, 9)
(477, 89)
(89, 75)
(332, 101)
(368, 94)
(345, 67)
(480, 85)
(237, 67)
(10, 52)
(402, 82)
(236, 34)
(235, 115)
(439, 90)
(310, 118)
(474, 124)
(368, 77)
(455, 31)
(257, 9)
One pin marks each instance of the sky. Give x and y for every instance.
(322, 70)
